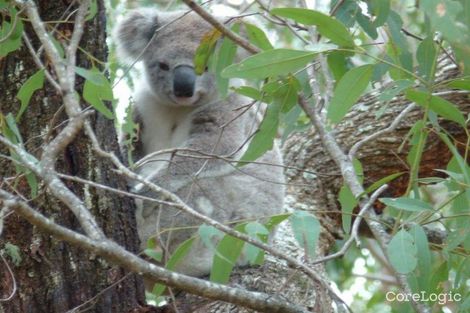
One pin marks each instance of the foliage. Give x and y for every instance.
(13, 252)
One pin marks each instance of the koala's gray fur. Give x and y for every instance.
(192, 120)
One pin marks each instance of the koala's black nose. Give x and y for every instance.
(184, 81)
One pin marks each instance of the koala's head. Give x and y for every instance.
(168, 57)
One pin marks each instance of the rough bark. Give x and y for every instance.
(52, 275)
(379, 158)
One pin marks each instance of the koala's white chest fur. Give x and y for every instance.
(165, 127)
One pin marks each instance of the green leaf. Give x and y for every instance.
(338, 64)
(402, 252)
(397, 48)
(156, 255)
(92, 75)
(32, 182)
(35, 82)
(275, 220)
(326, 25)
(11, 40)
(395, 23)
(382, 182)
(346, 12)
(92, 10)
(224, 58)
(380, 9)
(95, 94)
(251, 92)
(258, 37)
(359, 170)
(460, 83)
(57, 45)
(256, 230)
(464, 168)
(347, 91)
(228, 251)
(437, 104)
(209, 236)
(13, 129)
(269, 63)
(454, 239)
(395, 89)
(179, 254)
(441, 274)
(423, 269)
(427, 56)
(204, 50)
(348, 202)
(263, 140)
(130, 130)
(13, 252)
(306, 230)
(287, 94)
(416, 131)
(407, 204)
(367, 25)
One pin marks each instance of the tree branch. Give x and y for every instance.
(221, 27)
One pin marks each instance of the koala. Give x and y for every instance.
(177, 109)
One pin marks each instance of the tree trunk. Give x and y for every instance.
(379, 158)
(52, 275)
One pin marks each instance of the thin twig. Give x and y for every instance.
(39, 63)
(13, 291)
(44, 37)
(354, 230)
(380, 133)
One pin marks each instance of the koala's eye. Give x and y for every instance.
(206, 69)
(163, 66)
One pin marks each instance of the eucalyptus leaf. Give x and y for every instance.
(427, 57)
(306, 230)
(223, 58)
(258, 37)
(35, 82)
(348, 90)
(269, 63)
(178, 255)
(402, 252)
(348, 202)
(263, 139)
(407, 204)
(326, 25)
(437, 104)
(95, 94)
(228, 251)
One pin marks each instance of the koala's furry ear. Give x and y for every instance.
(134, 32)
